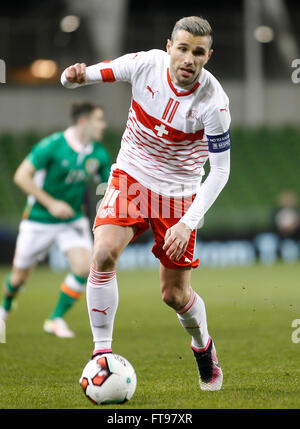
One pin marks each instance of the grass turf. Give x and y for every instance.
(250, 311)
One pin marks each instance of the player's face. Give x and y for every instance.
(189, 54)
(96, 124)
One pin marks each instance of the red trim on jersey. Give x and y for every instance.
(187, 146)
(170, 154)
(107, 75)
(165, 159)
(161, 163)
(170, 119)
(171, 134)
(181, 94)
(165, 149)
(167, 108)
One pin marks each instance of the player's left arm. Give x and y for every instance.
(177, 237)
(218, 136)
(210, 189)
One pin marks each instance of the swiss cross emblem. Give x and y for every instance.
(161, 130)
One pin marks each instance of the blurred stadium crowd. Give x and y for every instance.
(255, 41)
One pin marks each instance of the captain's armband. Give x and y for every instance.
(219, 143)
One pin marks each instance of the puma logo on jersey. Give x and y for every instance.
(223, 110)
(101, 311)
(150, 90)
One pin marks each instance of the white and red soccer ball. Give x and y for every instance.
(108, 379)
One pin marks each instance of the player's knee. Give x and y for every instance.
(81, 267)
(82, 271)
(104, 259)
(172, 297)
(18, 277)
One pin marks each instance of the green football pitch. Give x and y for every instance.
(250, 313)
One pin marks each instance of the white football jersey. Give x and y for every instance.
(165, 143)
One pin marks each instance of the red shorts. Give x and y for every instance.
(128, 203)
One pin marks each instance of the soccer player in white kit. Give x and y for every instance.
(178, 119)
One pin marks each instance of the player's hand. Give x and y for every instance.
(176, 240)
(76, 73)
(61, 210)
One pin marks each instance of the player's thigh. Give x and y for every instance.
(80, 260)
(75, 240)
(33, 242)
(109, 243)
(175, 286)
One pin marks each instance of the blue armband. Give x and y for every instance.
(219, 143)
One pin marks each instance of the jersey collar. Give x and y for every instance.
(183, 93)
(75, 144)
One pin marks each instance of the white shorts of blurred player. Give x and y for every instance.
(36, 240)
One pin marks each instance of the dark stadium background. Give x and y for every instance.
(265, 132)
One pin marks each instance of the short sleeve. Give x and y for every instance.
(42, 153)
(125, 68)
(217, 119)
(217, 122)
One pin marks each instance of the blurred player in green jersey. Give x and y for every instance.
(54, 176)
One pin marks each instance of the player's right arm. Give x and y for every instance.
(24, 178)
(119, 69)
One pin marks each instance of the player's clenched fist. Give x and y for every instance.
(76, 73)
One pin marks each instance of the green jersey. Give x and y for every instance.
(63, 173)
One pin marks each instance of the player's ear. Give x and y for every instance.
(210, 53)
(168, 46)
(82, 120)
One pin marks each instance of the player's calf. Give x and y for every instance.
(102, 301)
(71, 291)
(10, 293)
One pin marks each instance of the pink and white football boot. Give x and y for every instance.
(211, 376)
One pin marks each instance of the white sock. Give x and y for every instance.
(102, 302)
(193, 318)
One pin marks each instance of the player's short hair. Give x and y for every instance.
(196, 25)
(84, 108)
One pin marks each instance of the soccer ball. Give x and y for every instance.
(108, 379)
